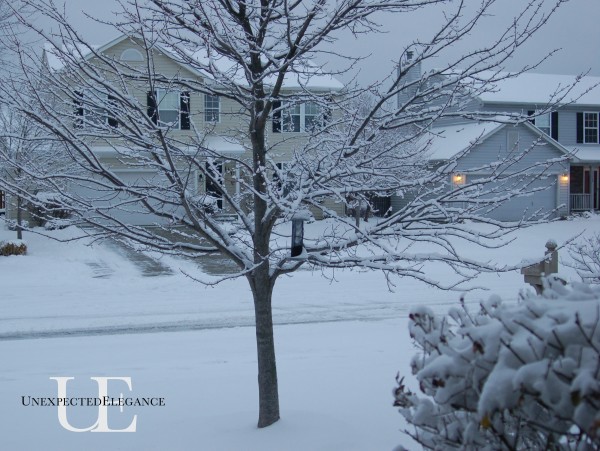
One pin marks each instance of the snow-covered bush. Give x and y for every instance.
(13, 247)
(523, 376)
(586, 259)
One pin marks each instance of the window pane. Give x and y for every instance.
(590, 128)
(211, 108)
(168, 107)
(168, 116)
(168, 100)
(311, 109)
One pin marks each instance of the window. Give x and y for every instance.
(543, 122)
(132, 55)
(590, 128)
(291, 119)
(212, 108)
(297, 118)
(93, 108)
(170, 109)
(587, 128)
(546, 122)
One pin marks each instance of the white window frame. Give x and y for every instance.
(160, 94)
(209, 111)
(591, 128)
(547, 129)
(300, 110)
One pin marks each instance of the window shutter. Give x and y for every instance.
(327, 113)
(112, 119)
(580, 127)
(554, 124)
(184, 110)
(152, 110)
(276, 117)
(78, 108)
(531, 119)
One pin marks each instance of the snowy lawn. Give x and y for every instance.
(340, 340)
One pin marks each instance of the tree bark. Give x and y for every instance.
(268, 394)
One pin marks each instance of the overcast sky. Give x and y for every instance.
(574, 29)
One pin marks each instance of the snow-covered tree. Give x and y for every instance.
(264, 58)
(515, 377)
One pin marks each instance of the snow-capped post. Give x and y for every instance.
(533, 274)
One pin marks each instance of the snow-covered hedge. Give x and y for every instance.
(523, 376)
(12, 247)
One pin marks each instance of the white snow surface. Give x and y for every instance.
(340, 340)
(536, 88)
(447, 142)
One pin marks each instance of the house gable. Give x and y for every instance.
(509, 142)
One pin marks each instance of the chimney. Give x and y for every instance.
(414, 73)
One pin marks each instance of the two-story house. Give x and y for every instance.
(558, 149)
(192, 119)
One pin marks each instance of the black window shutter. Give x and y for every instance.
(579, 127)
(152, 111)
(327, 113)
(531, 113)
(112, 104)
(78, 104)
(184, 110)
(554, 124)
(276, 117)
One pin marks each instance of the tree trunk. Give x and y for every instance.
(268, 394)
(19, 219)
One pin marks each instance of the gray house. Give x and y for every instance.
(563, 133)
(574, 125)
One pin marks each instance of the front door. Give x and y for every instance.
(586, 186)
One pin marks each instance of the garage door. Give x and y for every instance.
(122, 207)
(524, 206)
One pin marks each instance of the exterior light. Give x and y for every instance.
(564, 178)
(458, 179)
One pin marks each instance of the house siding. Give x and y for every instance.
(495, 148)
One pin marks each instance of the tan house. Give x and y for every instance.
(192, 119)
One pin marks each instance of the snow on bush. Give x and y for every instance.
(524, 376)
(12, 247)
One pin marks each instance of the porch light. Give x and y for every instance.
(458, 179)
(564, 178)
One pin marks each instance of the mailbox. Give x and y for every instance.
(533, 274)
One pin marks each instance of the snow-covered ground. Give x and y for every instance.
(340, 341)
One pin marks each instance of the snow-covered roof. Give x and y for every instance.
(585, 152)
(447, 142)
(218, 144)
(541, 88)
(52, 54)
(306, 77)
